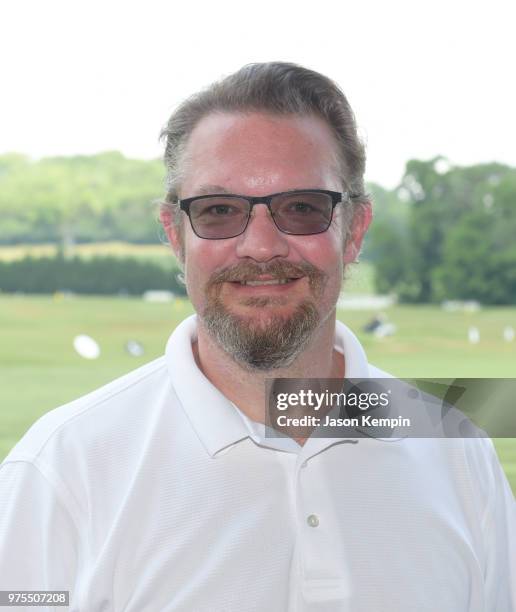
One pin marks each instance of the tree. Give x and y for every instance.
(459, 219)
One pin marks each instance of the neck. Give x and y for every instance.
(246, 388)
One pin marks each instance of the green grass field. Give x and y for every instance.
(39, 369)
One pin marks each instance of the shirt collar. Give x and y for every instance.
(211, 414)
(213, 417)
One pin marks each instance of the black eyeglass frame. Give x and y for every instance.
(336, 197)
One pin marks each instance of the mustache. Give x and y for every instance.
(278, 270)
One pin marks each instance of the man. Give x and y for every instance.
(161, 491)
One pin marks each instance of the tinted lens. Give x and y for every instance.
(219, 217)
(302, 213)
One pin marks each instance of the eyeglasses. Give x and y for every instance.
(301, 213)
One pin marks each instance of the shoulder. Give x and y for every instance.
(86, 452)
(97, 414)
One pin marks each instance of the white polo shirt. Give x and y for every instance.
(150, 494)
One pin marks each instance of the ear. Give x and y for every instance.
(173, 233)
(362, 217)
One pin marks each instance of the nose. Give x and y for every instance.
(262, 240)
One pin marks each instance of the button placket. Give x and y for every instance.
(323, 560)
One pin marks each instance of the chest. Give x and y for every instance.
(263, 528)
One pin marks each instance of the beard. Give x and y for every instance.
(276, 340)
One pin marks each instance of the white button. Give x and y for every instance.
(313, 520)
(304, 464)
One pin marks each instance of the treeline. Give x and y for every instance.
(447, 233)
(98, 275)
(79, 199)
(443, 233)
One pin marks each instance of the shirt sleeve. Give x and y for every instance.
(500, 523)
(38, 539)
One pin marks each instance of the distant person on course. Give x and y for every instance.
(161, 492)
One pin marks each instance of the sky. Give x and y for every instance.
(424, 78)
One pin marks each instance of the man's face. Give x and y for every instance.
(259, 154)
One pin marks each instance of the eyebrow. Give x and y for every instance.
(209, 189)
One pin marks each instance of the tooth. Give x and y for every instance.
(268, 282)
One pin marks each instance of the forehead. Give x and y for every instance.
(237, 150)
